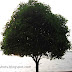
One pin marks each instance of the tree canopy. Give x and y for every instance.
(35, 31)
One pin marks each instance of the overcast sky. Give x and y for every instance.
(62, 7)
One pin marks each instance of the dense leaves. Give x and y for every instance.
(35, 31)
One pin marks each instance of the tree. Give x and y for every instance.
(35, 31)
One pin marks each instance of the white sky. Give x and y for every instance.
(62, 7)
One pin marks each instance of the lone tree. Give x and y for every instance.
(35, 31)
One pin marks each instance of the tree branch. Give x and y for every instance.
(36, 58)
(33, 58)
(40, 57)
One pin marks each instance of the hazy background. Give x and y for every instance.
(62, 7)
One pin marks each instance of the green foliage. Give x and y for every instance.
(35, 31)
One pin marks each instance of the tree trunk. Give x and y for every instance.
(36, 59)
(37, 66)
